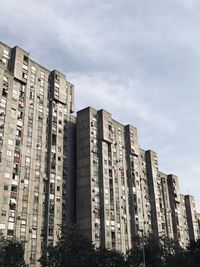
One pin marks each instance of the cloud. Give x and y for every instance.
(125, 98)
(137, 59)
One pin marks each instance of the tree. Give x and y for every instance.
(75, 250)
(193, 254)
(134, 255)
(11, 252)
(72, 250)
(172, 253)
(159, 252)
(109, 258)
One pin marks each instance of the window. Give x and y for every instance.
(23, 229)
(3, 213)
(34, 233)
(6, 187)
(10, 232)
(26, 182)
(14, 188)
(10, 142)
(3, 103)
(35, 199)
(25, 67)
(58, 178)
(5, 52)
(27, 161)
(57, 77)
(9, 153)
(33, 69)
(24, 75)
(26, 59)
(18, 133)
(7, 175)
(106, 201)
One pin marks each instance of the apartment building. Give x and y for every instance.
(56, 168)
(159, 200)
(165, 206)
(145, 192)
(192, 218)
(179, 215)
(113, 198)
(198, 219)
(102, 184)
(35, 107)
(120, 190)
(184, 230)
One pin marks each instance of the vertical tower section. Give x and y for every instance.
(69, 171)
(23, 149)
(102, 189)
(192, 219)
(88, 217)
(33, 108)
(165, 207)
(135, 181)
(184, 230)
(175, 203)
(60, 106)
(198, 220)
(114, 183)
(156, 194)
(146, 203)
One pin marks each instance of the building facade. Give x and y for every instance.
(56, 168)
(192, 218)
(120, 190)
(35, 105)
(159, 197)
(102, 184)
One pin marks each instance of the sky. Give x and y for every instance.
(138, 59)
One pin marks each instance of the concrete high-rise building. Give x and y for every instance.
(192, 218)
(113, 199)
(102, 185)
(35, 109)
(120, 190)
(165, 206)
(144, 188)
(174, 196)
(159, 199)
(56, 168)
(198, 219)
(184, 230)
(179, 216)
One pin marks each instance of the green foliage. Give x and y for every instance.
(74, 250)
(193, 254)
(106, 258)
(11, 252)
(159, 252)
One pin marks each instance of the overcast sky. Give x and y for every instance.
(138, 59)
